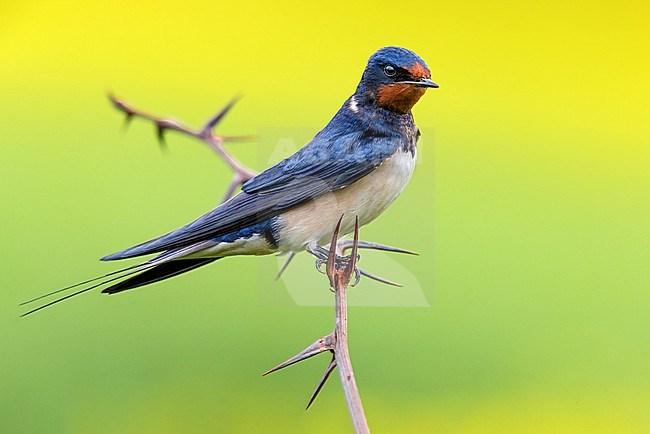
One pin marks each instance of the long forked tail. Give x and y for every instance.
(141, 274)
(158, 273)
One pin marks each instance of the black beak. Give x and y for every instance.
(423, 82)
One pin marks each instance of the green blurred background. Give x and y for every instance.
(529, 209)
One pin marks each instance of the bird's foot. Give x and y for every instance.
(340, 262)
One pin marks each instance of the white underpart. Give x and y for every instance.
(314, 221)
(255, 245)
(184, 252)
(352, 105)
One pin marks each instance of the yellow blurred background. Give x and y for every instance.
(529, 209)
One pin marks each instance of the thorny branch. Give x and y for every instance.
(340, 271)
(205, 134)
(241, 173)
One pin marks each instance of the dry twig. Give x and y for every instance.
(339, 271)
(205, 134)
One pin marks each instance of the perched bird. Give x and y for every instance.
(356, 166)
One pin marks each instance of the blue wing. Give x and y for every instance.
(334, 159)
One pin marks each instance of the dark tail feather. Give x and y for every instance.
(159, 272)
(123, 270)
(145, 273)
(81, 291)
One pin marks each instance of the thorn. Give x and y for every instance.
(323, 380)
(285, 265)
(241, 139)
(113, 99)
(120, 105)
(230, 191)
(347, 244)
(331, 256)
(214, 120)
(378, 278)
(160, 133)
(352, 263)
(326, 343)
(128, 117)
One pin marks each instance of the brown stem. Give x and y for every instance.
(344, 362)
(339, 273)
(341, 352)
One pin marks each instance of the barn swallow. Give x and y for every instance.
(355, 167)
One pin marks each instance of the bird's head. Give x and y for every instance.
(395, 79)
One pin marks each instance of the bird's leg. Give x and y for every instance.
(317, 251)
(320, 253)
(342, 246)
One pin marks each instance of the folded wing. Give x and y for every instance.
(326, 164)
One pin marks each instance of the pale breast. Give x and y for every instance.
(367, 198)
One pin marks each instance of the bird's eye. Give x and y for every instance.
(390, 70)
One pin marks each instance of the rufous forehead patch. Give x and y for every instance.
(419, 70)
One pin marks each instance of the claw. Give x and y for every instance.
(357, 276)
(319, 264)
